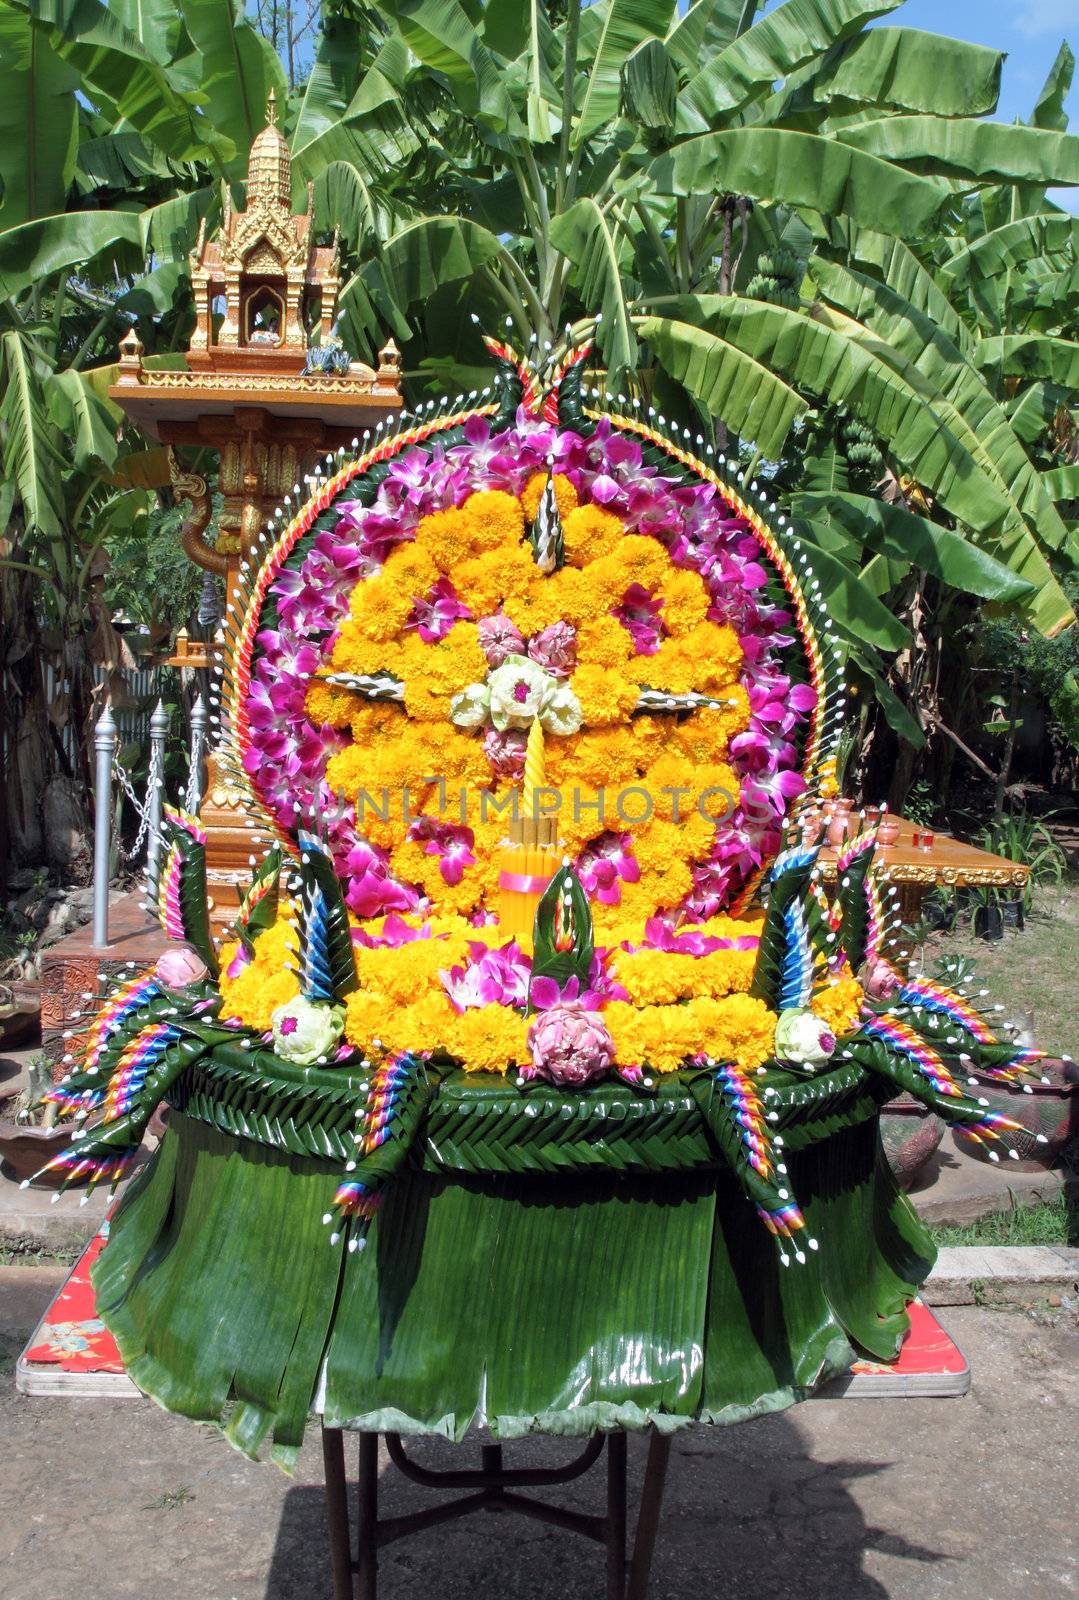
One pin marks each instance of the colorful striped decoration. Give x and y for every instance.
(927, 995)
(905, 1042)
(138, 1056)
(107, 1168)
(796, 980)
(127, 998)
(169, 910)
(784, 1222)
(739, 1090)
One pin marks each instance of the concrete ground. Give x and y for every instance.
(969, 1499)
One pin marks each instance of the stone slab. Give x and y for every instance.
(956, 1188)
(1003, 1275)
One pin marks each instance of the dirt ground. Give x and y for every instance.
(969, 1499)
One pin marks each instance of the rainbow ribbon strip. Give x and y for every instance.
(783, 1223)
(136, 1059)
(926, 995)
(741, 1093)
(796, 985)
(108, 1168)
(905, 1042)
(127, 998)
(989, 1129)
(355, 1198)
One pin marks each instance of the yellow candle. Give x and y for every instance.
(535, 769)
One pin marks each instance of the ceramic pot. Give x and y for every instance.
(25, 1150)
(1051, 1108)
(910, 1135)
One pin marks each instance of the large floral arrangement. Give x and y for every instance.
(431, 593)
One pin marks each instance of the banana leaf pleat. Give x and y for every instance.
(531, 1300)
(219, 1284)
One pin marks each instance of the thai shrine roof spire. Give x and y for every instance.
(269, 165)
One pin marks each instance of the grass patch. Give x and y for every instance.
(35, 1254)
(1051, 1223)
(1032, 970)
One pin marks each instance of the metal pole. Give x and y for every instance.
(198, 747)
(105, 746)
(159, 731)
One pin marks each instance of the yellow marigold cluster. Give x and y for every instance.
(840, 1005)
(482, 548)
(663, 1037)
(265, 983)
(564, 493)
(657, 977)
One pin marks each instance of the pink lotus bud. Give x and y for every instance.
(570, 1045)
(179, 965)
(882, 981)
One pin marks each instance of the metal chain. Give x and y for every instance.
(154, 776)
(193, 792)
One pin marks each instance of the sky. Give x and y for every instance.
(1029, 30)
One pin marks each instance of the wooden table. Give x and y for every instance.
(949, 863)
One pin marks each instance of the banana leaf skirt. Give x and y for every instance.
(550, 1262)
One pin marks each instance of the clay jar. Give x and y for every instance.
(839, 823)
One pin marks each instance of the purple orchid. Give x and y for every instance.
(640, 615)
(605, 864)
(435, 614)
(490, 977)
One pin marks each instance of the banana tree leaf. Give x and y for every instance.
(1031, 356)
(32, 457)
(802, 170)
(39, 130)
(239, 68)
(702, 30)
(728, 382)
(427, 253)
(903, 69)
(902, 536)
(895, 712)
(86, 423)
(156, 24)
(650, 87)
(442, 35)
(1032, 411)
(896, 265)
(958, 148)
(916, 348)
(775, 46)
(1007, 247)
(1062, 483)
(1049, 108)
(610, 32)
(87, 240)
(845, 364)
(850, 604)
(584, 235)
(127, 84)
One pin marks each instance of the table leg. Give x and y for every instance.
(333, 1459)
(367, 1519)
(655, 1477)
(616, 1516)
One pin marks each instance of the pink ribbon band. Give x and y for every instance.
(522, 882)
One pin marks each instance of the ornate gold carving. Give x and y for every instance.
(361, 380)
(189, 486)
